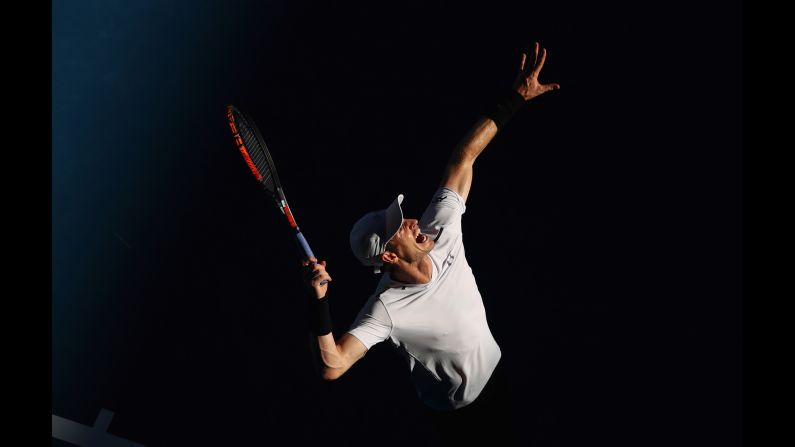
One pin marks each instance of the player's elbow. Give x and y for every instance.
(330, 374)
(461, 160)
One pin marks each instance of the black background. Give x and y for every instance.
(603, 225)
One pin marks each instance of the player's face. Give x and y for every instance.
(409, 242)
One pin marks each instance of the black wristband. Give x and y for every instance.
(506, 107)
(321, 316)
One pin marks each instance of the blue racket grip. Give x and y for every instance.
(304, 245)
(307, 251)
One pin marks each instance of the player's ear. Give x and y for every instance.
(388, 257)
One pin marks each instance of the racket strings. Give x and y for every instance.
(257, 155)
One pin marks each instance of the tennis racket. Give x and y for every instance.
(255, 152)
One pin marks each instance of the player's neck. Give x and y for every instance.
(420, 272)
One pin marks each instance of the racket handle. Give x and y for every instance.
(307, 251)
(304, 245)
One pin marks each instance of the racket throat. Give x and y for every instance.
(285, 209)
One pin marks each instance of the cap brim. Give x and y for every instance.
(393, 217)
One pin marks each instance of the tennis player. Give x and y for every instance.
(427, 302)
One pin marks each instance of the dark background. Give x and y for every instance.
(603, 225)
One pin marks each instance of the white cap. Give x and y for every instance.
(372, 231)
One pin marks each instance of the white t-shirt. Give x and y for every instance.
(440, 327)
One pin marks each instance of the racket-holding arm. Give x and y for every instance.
(336, 356)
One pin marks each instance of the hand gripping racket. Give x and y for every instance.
(252, 146)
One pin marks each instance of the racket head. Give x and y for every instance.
(252, 147)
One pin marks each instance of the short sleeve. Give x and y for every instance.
(445, 210)
(373, 324)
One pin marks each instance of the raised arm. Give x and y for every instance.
(458, 173)
(336, 356)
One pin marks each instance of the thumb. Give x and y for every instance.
(552, 87)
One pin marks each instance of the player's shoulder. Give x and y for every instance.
(445, 204)
(448, 194)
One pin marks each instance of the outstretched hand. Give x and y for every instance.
(526, 83)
